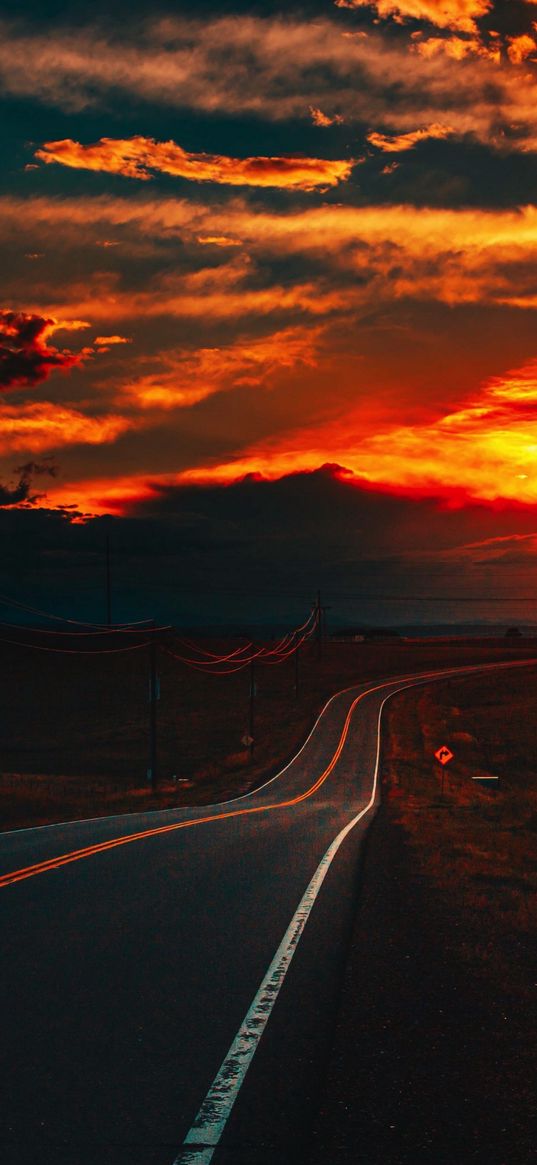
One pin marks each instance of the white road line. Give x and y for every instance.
(178, 808)
(253, 792)
(203, 1138)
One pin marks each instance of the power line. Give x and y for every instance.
(75, 650)
(281, 651)
(432, 598)
(133, 627)
(55, 632)
(213, 654)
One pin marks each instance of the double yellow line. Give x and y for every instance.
(88, 851)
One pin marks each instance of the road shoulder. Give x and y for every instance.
(425, 1067)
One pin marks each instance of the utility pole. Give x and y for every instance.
(252, 708)
(325, 631)
(154, 696)
(321, 624)
(108, 587)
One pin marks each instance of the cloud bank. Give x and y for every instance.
(459, 15)
(292, 67)
(138, 157)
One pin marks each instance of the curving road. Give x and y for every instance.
(169, 980)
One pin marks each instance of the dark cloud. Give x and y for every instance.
(25, 356)
(510, 19)
(257, 551)
(22, 491)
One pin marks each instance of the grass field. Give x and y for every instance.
(478, 845)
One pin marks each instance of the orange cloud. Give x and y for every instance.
(136, 157)
(396, 143)
(219, 293)
(486, 449)
(519, 48)
(41, 426)
(102, 495)
(460, 15)
(101, 341)
(323, 119)
(458, 49)
(186, 377)
(455, 256)
(218, 241)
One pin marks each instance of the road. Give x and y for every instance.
(169, 980)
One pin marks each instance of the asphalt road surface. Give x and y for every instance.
(169, 981)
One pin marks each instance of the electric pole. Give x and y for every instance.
(321, 624)
(319, 612)
(108, 587)
(252, 707)
(154, 695)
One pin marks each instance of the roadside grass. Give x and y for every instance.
(478, 845)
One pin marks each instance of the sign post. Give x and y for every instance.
(253, 693)
(154, 696)
(443, 755)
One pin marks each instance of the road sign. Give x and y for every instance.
(444, 754)
(247, 740)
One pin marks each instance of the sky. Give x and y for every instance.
(269, 304)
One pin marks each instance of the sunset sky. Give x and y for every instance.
(289, 243)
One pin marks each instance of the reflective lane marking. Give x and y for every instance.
(203, 1138)
(230, 801)
(100, 847)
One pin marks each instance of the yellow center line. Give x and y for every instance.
(100, 847)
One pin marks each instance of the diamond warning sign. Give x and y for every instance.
(444, 754)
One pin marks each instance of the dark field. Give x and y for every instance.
(434, 1053)
(477, 844)
(74, 728)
